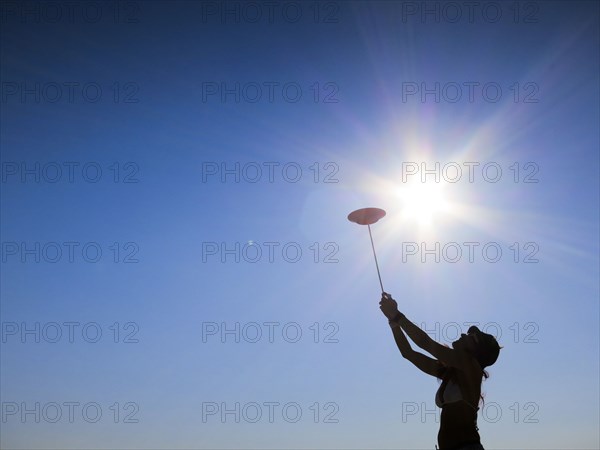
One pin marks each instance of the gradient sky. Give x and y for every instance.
(159, 122)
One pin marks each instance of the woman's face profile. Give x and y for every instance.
(466, 342)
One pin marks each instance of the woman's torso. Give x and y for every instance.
(458, 396)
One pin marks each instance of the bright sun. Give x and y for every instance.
(422, 201)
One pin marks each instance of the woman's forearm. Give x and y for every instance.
(401, 341)
(428, 365)
(417, 335)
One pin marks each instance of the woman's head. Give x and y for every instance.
(482, 346)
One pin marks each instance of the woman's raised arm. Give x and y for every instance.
(444, 354)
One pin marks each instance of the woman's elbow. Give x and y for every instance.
(407, 353)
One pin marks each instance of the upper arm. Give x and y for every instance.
(446, 355)
(426, 364)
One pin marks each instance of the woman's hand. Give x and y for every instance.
(388, 306)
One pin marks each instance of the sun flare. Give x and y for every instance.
(421, 202)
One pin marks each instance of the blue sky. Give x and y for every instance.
(178, 234)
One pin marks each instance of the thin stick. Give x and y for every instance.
(376, 264)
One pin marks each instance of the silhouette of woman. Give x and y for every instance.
(461, 369)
